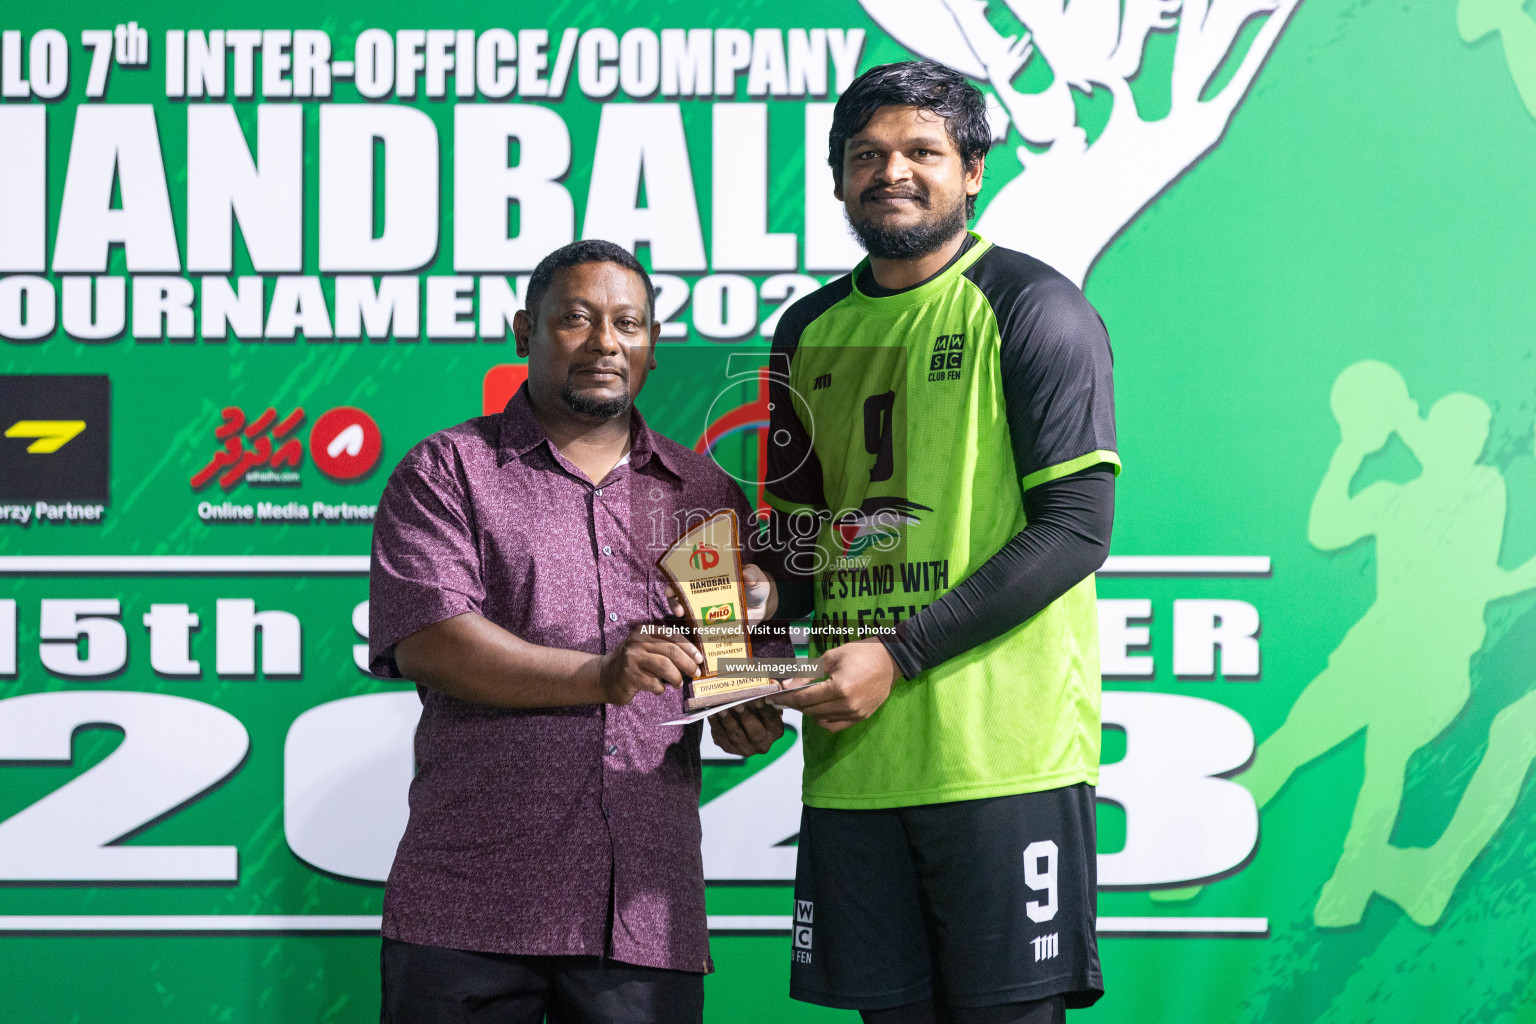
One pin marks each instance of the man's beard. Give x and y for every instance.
(907, 243)
(604, 409)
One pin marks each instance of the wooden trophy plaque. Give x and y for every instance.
(705, 567)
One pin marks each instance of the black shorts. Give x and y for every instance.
(435, 985)
(972, 903)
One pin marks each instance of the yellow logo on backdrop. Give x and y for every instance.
(51, 435)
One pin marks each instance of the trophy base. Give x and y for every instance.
(724, 691)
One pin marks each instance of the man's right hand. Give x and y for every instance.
(649, 663)
(748, 729)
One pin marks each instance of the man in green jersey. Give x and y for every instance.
(945, 432)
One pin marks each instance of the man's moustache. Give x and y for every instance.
(921, 198)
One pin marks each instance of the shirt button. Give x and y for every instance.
(607, 549)
(612, 750)
(613, 616)
(599, 492)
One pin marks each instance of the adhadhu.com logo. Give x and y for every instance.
(344, 444)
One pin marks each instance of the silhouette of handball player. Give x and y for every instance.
(1478, 18)
(1401, 673)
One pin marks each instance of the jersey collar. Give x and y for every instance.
(923, 292)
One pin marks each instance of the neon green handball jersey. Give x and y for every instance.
(903, 438)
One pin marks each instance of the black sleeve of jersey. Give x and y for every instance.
(1058, 389)
(1057, 366)
(797, 592)
(1067, 538)
(793, 472)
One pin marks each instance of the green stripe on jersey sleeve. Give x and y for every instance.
(1069, 467)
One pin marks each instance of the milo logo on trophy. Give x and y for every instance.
(705, 567)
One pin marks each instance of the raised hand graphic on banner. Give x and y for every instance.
(1402, 671)
(1072, 199)
(1476, 19)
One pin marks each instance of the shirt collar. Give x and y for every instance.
(521, 433)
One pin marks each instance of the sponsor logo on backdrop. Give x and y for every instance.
(259, 452)
(268, 451)
(345, 443)
(55, 448)
(499, 385)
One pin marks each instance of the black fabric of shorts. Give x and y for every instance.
(433, 985)
(971, 903)
(1051, 1010)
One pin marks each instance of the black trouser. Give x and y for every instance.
(432, 985)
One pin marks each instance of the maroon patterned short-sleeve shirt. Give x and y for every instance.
(527, 825)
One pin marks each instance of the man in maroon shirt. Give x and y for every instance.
(551, 864)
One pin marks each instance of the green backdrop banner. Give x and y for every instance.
(248, 259)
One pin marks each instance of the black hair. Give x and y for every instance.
(914, 83)
(588, 250)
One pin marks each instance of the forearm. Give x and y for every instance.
(473, 659)
(1333, 489)
(1334, 520)
(1066, 539)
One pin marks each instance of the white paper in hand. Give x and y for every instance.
(699, 716)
